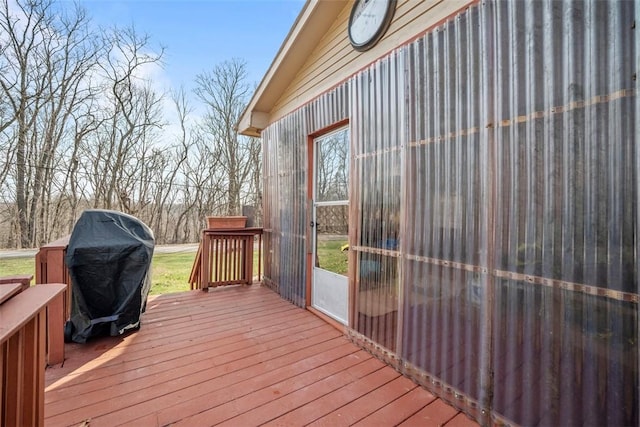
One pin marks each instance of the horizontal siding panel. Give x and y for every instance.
(330, 55)
(334, 51)
(335, 60)
(331, 45)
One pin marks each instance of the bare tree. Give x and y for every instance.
(80, 125)
(204, 174)
(224, 91)
(176, 155)
(85, 123)
(46, 61)
(184, 149)
(131, 113)
(6, 120)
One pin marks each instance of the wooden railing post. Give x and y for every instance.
(56, 319)
(205, 262)
(51, 268)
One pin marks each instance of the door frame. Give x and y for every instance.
(310, 231)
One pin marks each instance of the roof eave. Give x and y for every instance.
(310, 26)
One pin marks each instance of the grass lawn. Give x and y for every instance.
(17, 266)
(331, 257)
(169, 272)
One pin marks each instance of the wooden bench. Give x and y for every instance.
(23, 334)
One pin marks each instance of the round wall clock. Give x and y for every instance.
(369, 21)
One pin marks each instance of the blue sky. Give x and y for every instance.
(198, 34)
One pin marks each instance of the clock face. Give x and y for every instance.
(368, 22)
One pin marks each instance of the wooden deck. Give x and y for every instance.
(235, 356)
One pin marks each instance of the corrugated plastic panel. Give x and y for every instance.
(285, 192)
(495, 206)
(565, 339)
(378, 136)
(446, 231)
(285, 172)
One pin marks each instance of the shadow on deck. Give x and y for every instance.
(238, 356)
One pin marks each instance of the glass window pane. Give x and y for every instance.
(332, 167)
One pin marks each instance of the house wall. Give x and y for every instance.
(334, 60)
(285, 173)
(494, 192)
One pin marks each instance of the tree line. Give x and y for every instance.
(82, 127)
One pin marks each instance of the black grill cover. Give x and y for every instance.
(109, 260)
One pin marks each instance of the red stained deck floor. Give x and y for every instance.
(237, 356)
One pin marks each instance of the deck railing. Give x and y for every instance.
(23, 280)
(225, 257)
(50, 268)
(23, 320)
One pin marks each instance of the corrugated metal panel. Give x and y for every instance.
(495, 202)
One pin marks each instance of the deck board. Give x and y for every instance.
(356, 410)
(236, 400)
(233, 356)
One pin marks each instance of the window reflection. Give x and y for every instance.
(332, 167)
(332, 201)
